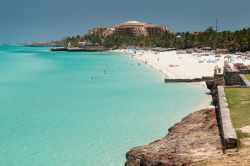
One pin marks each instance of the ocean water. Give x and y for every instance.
(83, 109)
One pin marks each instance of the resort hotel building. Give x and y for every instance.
(134, 28)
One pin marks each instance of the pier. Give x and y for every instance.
(188, 80)
(82, 49)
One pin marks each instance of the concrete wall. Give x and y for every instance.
(245, 71)
(229, 136)
(232, 78)
(189, 80)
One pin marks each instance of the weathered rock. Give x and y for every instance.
(212, 86)
(193, 139)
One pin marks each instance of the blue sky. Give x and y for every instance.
(43, 20)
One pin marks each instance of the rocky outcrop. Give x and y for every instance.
(193, 139)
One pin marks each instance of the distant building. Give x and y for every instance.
(197, 33)
(134, 28)
(97, 31)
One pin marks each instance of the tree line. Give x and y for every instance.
(232, 41)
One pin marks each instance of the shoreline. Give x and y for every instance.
(182, 143)
(163, 74)
(182, 65)
(191, 141)
(197, 137)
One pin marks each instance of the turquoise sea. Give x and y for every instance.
(83, 109)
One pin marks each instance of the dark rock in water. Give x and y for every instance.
(194, 139)
(212, 86)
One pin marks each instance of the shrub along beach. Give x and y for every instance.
(237, 41)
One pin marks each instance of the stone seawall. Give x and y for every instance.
(188, 80)
(229, 136)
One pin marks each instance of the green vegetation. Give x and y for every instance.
(241, 135)
(232, 41)
(247, 76)
(239, 105)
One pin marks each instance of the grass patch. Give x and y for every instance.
(242, 135)
(232, 154)
(239, 104)
(247, 76)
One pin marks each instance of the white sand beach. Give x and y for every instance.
(180, 65)
(176, 65)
